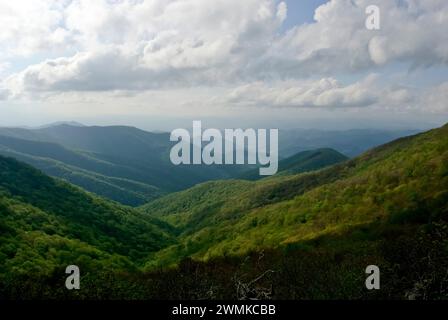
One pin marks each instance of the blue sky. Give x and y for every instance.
(301, 11)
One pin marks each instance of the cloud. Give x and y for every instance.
(4, 94)
(4, 66)
(328, 93)
(142, 45)
(412, 32)
(436, 99)
(30, 26)
(323, 93)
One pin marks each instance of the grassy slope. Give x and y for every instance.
(403, 181)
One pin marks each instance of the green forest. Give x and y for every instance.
(307, 233)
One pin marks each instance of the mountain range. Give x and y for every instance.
(124, 164)
(132, 166)
(307, 235)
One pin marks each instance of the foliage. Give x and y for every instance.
(124, 164)
(303, 236)
(36, 208)
(302, 162)
(401, 182)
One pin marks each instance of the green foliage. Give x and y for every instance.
(404, 182)
(303, 236)
(124, 164)
(302, 162)
(82, 169)
(34, 206)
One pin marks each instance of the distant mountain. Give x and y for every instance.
(125, 164)
(348, 142)
(132, 166)
(302, 162)
(81, 168)
(59, 123)
(291, 236)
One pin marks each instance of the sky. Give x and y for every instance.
(159, 64)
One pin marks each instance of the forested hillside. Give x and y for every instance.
(403, 182)
(46, 224)
(124, 164)
(292, 236)
(302, 162)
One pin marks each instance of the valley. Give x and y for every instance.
(297, 235)
(132, 166)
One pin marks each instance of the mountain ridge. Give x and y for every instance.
(303, 161)
(266, 213)
(100, 156)
(122, 163)
(300, 236)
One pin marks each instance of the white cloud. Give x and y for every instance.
(328, 93)
(141, 45)
(29, 26)
(323, 93)
(412, 32)
(436, 99)
(4, 94)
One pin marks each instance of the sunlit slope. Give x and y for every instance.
(47, 224)
(302, 162)
(405, 181)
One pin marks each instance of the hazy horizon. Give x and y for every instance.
(154, 125)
